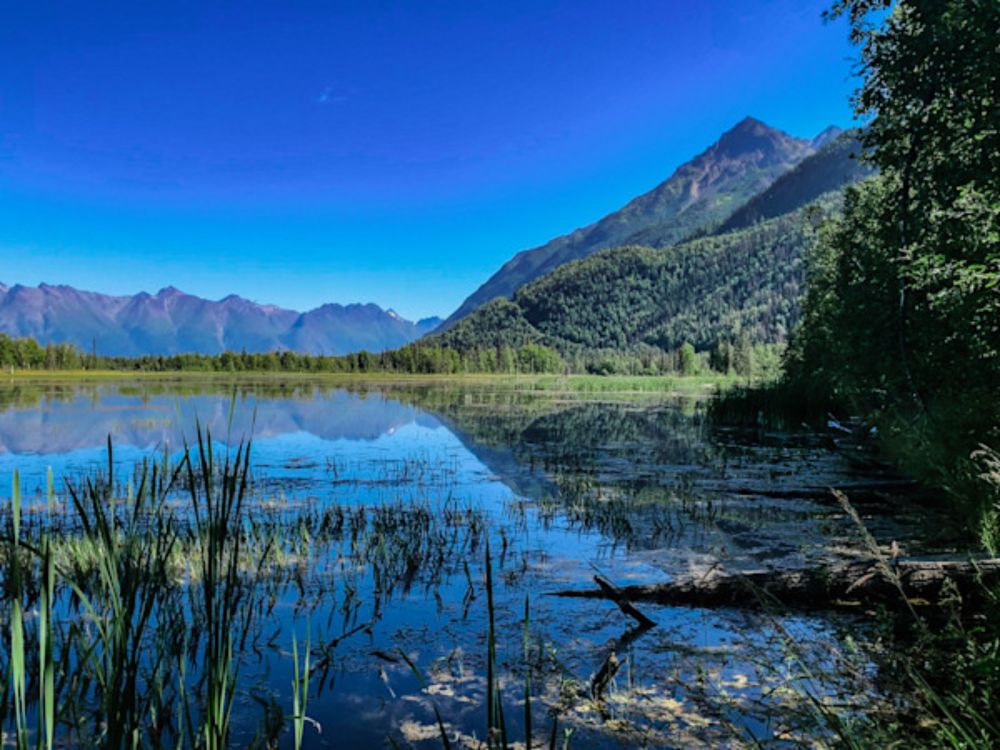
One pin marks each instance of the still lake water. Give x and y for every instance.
(636, 487)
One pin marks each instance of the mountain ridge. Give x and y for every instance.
(743, 277)
(738, 165)
(173, 322)
(635, 298)
(835, 163)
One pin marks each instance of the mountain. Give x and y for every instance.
(699, 194)
(835, 164)
(172, 322)
(352, 328)
(745, 275)
(825, 136)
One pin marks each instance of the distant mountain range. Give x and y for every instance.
(695, 199)
(172, 322)
(743, 273)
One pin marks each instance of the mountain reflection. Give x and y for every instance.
(57, 419)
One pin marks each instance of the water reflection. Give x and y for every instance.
(639, 473)
(560, 486)
(53, 421)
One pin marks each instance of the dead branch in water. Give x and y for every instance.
(613, 593)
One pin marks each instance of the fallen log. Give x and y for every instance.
(893, 584)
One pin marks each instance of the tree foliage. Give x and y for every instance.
(902, 313)
(417, 358)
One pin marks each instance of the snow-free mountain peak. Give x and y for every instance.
(172, 322)
(743, 161)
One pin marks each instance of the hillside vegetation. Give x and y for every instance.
(901, 327)
(902, 313)
(738, 278)
(707, 291)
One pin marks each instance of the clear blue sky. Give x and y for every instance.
(307, 152)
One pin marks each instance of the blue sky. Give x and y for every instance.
(307, 152)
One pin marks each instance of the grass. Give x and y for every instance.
(941, 661)
(117, 572)
(300, 690)
(946, 664)
(568, 383)
(18, 651)
(151, 588)
(217, 503)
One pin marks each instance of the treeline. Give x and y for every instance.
(28, 354)
(737, 356)
(901, 325)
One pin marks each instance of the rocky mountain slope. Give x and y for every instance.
(743, 275)
(701, 193)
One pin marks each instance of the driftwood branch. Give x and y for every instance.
(873, 582)
(612, 592)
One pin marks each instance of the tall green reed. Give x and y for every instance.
(46, 652)
(18, 665)
(120, 577)
(218, 494)
(496, 726)
(300, 689)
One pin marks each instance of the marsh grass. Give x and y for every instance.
(18, 666)
(152, 587)
(300, 689)
(942, 663)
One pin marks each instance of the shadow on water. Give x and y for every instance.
(365, 522)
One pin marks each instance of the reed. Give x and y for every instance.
(217, 502)
(18, 666)
(443, 732)
(527, 673)
(46, 654)
(113, 566)
(300, 690)
(496, 726)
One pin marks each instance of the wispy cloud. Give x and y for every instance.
(330, 95)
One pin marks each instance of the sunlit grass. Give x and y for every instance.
(569, 383)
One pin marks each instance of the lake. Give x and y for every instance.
(376, 505)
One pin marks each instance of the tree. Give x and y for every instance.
(688, 360)
(902, 313)
(743, 355)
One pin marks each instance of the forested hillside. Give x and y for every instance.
(709, 290)
(901, 328)
(738, 278)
